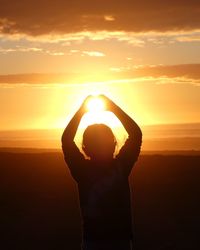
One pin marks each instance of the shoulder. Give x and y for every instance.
(128, 155)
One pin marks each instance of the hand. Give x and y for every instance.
(87, 99)
(85, 102)
(108, 102)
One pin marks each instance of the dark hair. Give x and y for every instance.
(98, 138)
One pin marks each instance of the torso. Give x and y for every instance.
(105, 201)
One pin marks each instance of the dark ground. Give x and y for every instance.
(39, 204)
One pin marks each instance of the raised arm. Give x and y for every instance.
(129, 124)
(73, 157)
(71, 129)
(130, 151)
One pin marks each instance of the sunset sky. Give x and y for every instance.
(145, 55)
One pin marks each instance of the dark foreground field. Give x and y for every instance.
(39, 205)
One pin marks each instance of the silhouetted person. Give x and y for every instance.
(102, 179)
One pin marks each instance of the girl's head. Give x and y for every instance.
(99, 142)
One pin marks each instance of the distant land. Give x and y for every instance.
(40, 210)
(166, 137)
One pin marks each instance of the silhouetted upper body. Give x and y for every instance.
(103, 180)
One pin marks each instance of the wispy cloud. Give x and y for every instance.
(19, 49)
(93, 53)
(134, 39)
(30, 49)
(109, 18)
(191, 38)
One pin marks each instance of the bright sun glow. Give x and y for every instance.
(95, 104)
(96, 113)
(105, 117)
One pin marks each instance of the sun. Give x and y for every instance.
(105, 117)
(98, 113)
(95, 104)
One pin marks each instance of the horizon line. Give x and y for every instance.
(143, 125)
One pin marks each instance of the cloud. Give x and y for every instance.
(194, 38)
(87, 53)
(189, 71)
(19, 49)
(183, 73)
(36, 78)
(131, 38)
(30, 49)
(93, 53)
(61, 17)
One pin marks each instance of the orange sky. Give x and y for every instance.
(51, 106)
(144, 55)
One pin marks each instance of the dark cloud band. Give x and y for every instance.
(49, 16)
(184, 71)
